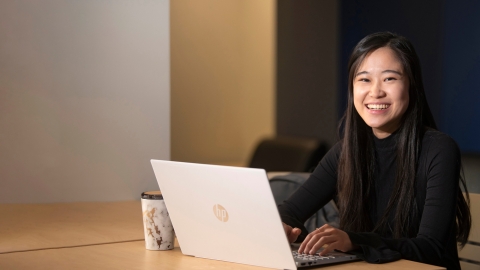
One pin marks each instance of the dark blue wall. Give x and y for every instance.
(446, 36)
(460, 101)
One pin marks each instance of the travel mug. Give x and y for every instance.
(159, 233)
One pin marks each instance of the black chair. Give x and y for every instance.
(292, 154)
(283, 186)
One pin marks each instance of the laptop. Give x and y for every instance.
(229, 214)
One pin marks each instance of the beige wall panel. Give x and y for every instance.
(223, 92)
(84, 99)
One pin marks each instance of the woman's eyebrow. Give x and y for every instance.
(361, 72)
(392, 71)
(385, 71)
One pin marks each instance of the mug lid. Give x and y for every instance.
(152, 195)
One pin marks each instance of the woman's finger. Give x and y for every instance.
(310, 241)
(306, 241)
(329, 248)
(324, 227)
(322, 241)
(294, 233)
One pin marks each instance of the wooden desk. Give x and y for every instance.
(103, 236)
(39, 226)
(133, 255)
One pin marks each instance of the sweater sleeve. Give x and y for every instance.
(317, 191)
(435, 242)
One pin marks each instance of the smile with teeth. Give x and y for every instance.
(378, 106)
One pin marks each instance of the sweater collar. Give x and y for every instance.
(387, 143)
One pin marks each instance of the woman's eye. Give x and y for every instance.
(363, 80)
(390, 79)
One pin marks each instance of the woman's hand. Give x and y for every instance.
(327, 235)
(292, 233)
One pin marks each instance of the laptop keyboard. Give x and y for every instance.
(302, 260)
(309, 257)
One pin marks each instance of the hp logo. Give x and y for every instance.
(220, 212)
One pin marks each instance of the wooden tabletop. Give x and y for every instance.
(133, 255)
(107, 235)
(39, 226)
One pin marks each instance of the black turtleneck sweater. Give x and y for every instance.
(437, 184)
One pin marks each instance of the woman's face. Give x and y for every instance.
(380, 91)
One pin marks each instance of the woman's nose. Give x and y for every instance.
(376, 91)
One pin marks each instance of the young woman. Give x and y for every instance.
(395, 178)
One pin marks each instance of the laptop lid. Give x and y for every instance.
(224, 213)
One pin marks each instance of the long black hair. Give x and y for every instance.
(357, 160)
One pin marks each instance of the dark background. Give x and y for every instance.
(446, 36)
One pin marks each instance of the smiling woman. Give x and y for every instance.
(395, 178)
(380, 92)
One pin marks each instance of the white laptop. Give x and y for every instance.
(229, 214)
